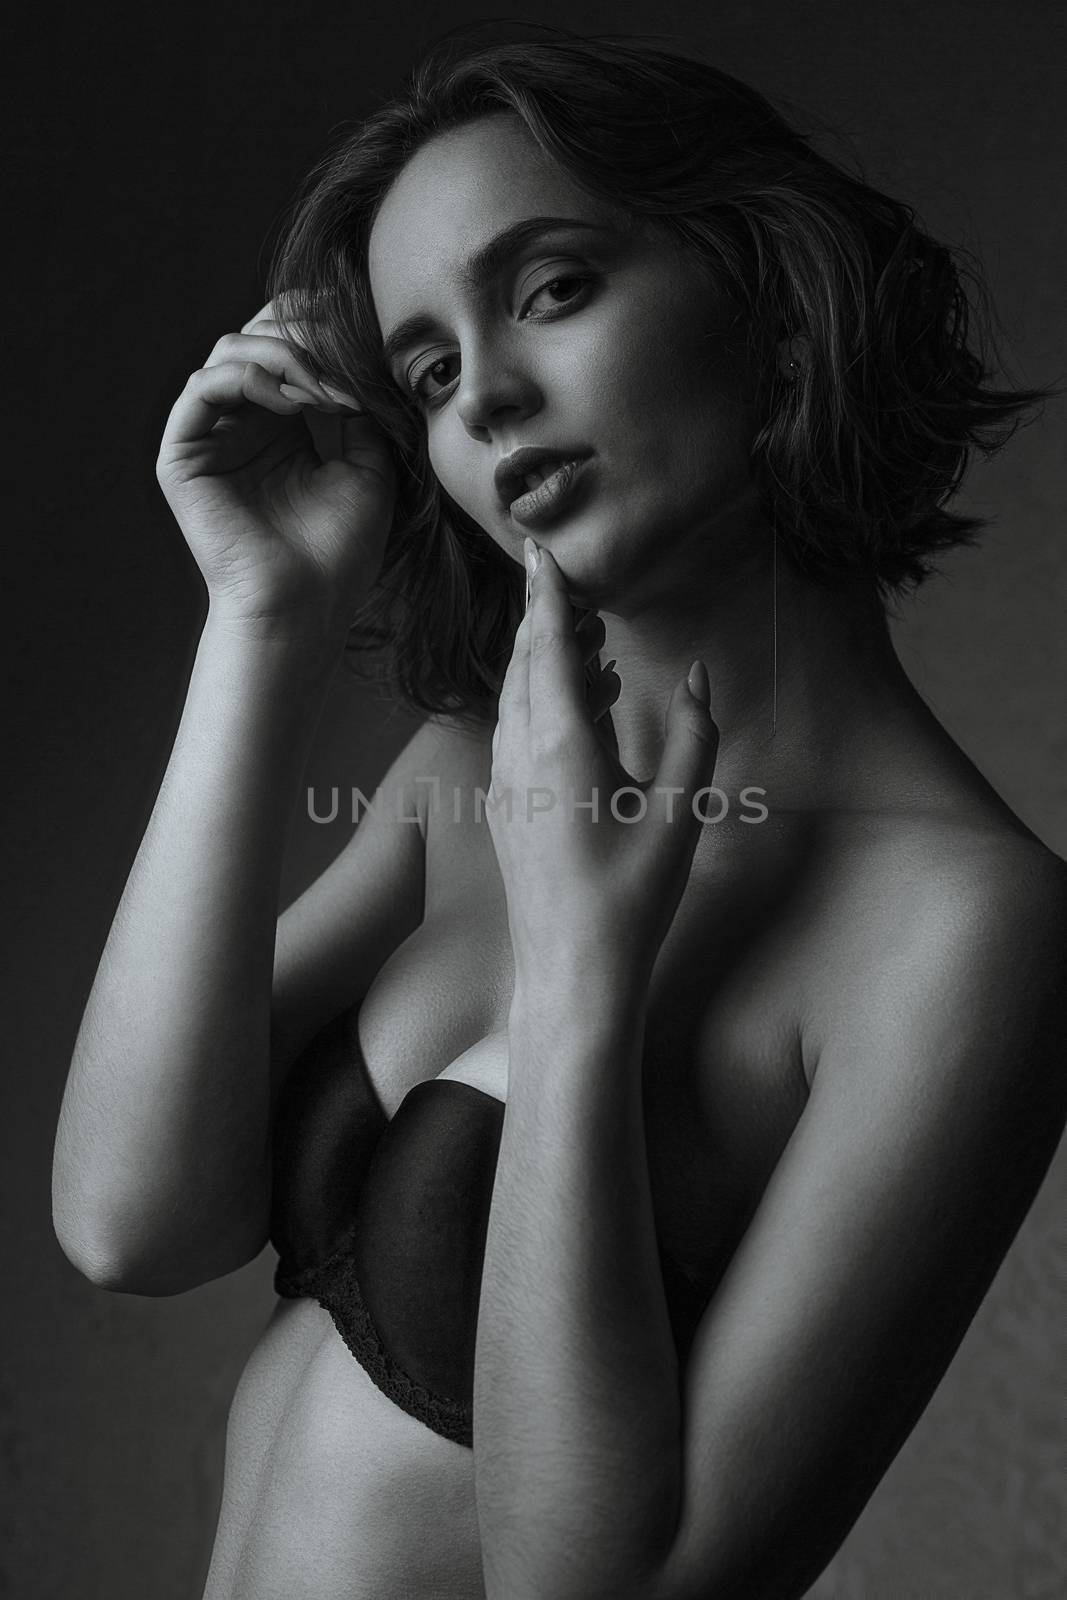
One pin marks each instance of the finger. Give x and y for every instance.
(514, 702)
(293, 332)
(276, 310)
(275, 356)
(590, 633)
(266, 316)
(326, 432)
(603, 692)
(687, 764)
(212, 391)
(290, 332)
(556, 671)
(364, 467)
(364, 444)
(290, 317)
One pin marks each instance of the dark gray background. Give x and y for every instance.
(151, 151)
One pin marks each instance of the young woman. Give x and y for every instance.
(642, 1102)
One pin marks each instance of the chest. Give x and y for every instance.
(724, 1082)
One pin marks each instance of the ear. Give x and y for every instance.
(793, 353)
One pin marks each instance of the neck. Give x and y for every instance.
(805, 683)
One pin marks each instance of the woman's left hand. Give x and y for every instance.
(593, 877)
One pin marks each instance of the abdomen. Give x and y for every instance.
(331, 1491)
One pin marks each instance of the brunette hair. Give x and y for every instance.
(855, 459)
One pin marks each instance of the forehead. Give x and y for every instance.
(457, 191)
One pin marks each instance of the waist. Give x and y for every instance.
(331, 1491)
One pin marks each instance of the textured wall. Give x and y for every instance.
(150, 151)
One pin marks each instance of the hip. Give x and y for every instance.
(330, 1490)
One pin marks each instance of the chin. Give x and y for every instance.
(582, 554)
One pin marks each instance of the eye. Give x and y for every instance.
(429, 381)
(432, 370)
(571, 285)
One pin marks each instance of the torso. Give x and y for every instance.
(334, 1493)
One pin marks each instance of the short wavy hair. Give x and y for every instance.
(854, 460)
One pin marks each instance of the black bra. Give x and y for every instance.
(384, 1223)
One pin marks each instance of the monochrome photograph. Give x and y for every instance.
(537, 804)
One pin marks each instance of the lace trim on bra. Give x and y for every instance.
(334, 1284)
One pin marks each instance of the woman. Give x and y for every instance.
(780, 1084)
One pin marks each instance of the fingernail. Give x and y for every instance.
(340, 396)
(291, 392)
(532, 554)
(699, 685)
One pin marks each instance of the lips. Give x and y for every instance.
(525, 469)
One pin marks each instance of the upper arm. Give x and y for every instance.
(934, 1113)
(335, 937)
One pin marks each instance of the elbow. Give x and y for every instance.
(124, 1261)
(104, 1262)
(158, 1274)
(106, 1269)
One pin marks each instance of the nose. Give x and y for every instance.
(494, 387)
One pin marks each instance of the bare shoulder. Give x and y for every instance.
(1005, 876)
(443, 753)
(994, 908)
(460, 761)
(460, 747)
(889, 871)
(955, 1021)
(934, 923)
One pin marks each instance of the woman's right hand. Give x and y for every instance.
(284, 498)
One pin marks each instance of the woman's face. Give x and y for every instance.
(526, 315)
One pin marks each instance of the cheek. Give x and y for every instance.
(464, 476)
(672, 400)
(452, 466)
(439, 463)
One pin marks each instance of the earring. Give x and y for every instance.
(791, 354)
(774, 627)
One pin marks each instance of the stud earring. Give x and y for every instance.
(774, 627)
(791, 354)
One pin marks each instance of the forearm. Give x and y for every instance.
(164, 1123)
(577, 1405)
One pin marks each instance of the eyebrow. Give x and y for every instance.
(479, 268)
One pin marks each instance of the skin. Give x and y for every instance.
(562, 1509)
(669, 545)
(819, 1056)
(872, 1244)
